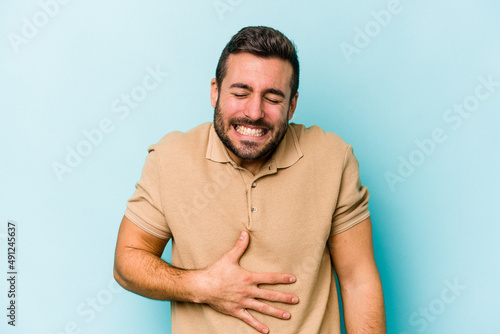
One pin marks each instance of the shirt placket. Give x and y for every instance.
(256, 195)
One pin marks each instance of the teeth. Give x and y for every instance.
(249, 132)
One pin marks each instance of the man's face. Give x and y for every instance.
(252, 106)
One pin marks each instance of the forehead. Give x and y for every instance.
(257, 72)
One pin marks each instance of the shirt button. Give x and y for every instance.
(254, 209)
(254, 184)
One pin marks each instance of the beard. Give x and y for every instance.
(249, 150)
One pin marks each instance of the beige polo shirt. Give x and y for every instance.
(309, 189)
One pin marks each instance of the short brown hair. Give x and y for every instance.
(263, 42)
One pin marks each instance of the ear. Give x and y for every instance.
(214, 92)
(293, 105)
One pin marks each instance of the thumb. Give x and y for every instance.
(239, 247)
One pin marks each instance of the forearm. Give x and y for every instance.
(364, 311)
(148, 275)
(224, 285)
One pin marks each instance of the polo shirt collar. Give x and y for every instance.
(216, 150)
(287, 153)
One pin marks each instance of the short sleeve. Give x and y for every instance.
(352, 203)
(144, 208)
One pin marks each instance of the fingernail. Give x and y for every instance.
(292, 279)
(265, 330)
(295, 300)
(242, 235)
(286, 315)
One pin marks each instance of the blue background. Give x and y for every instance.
(384, 75)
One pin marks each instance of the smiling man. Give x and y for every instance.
(261, 212)
(253, 107)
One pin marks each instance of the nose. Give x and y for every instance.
(253, 108)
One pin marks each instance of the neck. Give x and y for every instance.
(253, 166)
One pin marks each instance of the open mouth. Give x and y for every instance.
(252, 132)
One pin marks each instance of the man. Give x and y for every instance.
(258, 210)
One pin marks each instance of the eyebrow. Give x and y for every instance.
(269, 90)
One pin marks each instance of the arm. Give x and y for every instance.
(225, 286)
(359, 280)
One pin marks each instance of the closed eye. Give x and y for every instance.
(273, 101)
(240, 95)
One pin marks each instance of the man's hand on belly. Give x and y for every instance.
(231, 290)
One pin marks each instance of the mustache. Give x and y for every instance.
(258, 123)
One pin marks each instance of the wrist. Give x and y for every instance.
(197, 284)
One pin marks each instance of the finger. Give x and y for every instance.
(250, 320)
(268, 310)
(275, 296)
(273, 278)
(239, 247)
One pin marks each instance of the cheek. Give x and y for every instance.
(232, 107)
(277, 115)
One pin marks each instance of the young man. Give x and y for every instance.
(258, 210)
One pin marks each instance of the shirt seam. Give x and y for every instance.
(351, 225)
(158, 166)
